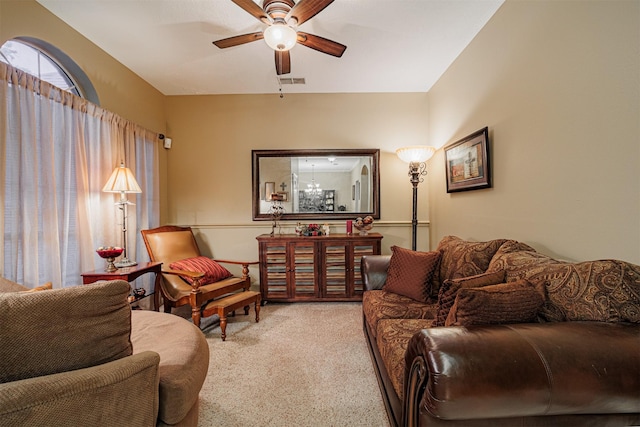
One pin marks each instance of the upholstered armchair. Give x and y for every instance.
(66, 358)
(188, 278)
(79, 356)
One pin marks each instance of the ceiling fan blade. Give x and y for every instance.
(283, 62)
(307, 9)
(253, 9)
(321, 44)
(238, 40)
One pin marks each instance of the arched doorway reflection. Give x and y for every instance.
(365, 182)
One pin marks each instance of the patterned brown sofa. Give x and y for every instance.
(502, 335)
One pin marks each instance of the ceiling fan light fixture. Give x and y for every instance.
(280, 37)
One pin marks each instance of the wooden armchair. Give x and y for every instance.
(169, 244)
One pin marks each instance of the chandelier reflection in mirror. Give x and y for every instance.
(314, 196)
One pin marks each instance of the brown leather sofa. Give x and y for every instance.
(577, 365)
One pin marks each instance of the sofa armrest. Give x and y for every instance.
(122, 392)
(492, 371)
(373, 269)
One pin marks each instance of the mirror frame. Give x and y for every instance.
(256, 155)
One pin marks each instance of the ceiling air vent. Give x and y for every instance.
(292, 81)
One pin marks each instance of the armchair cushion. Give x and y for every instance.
(513, 302)
(184, 361)
(213, 272)
(47, 332)
(410, 273)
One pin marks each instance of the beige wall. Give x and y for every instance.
(119, 89)
(209, 166)
(557, 83)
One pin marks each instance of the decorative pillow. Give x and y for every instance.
(410, 273)
(603, 290)
(513, 302)
(63, 329)
(10, 286)
(7, 285)
(213, 272)
(514, 257)
(600, 291)
(461, 258)
(450, 288)
(47, 286)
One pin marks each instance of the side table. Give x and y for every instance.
(129, 274)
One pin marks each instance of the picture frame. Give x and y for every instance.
(467, 163)
(283, 196)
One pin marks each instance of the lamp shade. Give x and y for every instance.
(415, 153)
(280, 37)
(122, 181)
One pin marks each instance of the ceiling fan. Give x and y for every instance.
(283, 17)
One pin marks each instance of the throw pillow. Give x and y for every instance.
(512, 302)
(213, 272)
(461, 258)
(63, 329)
(410, 273)
(7, 285)
(450, 288)
(47, 286)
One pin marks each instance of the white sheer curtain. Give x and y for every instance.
(56, 153)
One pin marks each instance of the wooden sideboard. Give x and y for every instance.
(316, 268)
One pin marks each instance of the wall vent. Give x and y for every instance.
(292, 81)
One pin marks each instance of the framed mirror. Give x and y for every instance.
(316, 184)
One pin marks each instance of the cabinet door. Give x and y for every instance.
(273, 280)
(361, 248)
(302, 273)
(335, 268)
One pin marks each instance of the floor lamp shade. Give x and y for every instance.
(415, 153)
(122, 181)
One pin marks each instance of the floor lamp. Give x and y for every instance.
(122, 181)
(416, 156)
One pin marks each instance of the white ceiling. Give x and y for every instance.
(327, 164)
(392, 45)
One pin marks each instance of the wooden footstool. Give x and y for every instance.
(229, 304)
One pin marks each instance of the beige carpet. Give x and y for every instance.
(304, 364)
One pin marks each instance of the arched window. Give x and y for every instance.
(49, 64)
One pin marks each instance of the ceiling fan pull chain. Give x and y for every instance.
(280, 87)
